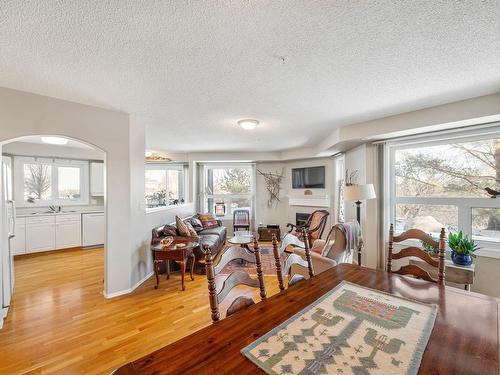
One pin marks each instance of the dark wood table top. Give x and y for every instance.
(175, 246)
(464, 339)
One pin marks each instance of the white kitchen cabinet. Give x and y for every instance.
(40, 234)
(68, 231)
(18, 242)
(97, 179)
(94, 229)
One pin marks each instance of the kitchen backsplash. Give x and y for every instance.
(96, 204)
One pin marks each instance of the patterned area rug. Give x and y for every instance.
(268, 266)
(350, 330)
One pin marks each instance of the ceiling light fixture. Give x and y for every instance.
(54, 140)
(248, 124)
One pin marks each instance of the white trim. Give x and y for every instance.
(310, 202)
(464, 205)
(481, 253)
(488, 253)
(54, 163)
(153, 210)
(3, 315)
(129, 290)
(484, 130)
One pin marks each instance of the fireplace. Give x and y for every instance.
(301, 218)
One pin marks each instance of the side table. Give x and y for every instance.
(173, 253)
(266, 234)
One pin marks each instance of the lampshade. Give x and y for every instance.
(359, 192)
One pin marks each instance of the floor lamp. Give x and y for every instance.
(358, 193)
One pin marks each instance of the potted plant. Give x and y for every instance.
(462, 248)
(433, 251)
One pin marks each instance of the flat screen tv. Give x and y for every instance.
(308, 178)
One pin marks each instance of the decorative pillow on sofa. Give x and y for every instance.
(192, 231)
(169, 230)
(196, 223)
(208, 221)
(182, 228)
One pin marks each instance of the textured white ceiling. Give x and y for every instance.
(189, 70)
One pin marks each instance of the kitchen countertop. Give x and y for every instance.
(72, 212)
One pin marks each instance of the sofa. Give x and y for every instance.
(215, 238)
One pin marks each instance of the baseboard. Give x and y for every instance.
(129, 290)
(3, 315)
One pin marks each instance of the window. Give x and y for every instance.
(228, 187)
(164, 185)
(441, 181)
(43, 182)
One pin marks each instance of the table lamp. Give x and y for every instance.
(358, 193)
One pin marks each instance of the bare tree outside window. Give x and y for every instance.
(458, 170)
(37, 182)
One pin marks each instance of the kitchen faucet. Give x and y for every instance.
(54, 209)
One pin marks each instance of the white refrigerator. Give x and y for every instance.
(8, 221)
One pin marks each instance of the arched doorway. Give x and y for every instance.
(53, 214)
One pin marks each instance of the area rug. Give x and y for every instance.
(267, 259)
(349, 330)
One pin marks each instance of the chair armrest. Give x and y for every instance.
(219, 222)
(320, 263)
(292, 227)
(318, 243)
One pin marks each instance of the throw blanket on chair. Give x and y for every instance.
(352, 233)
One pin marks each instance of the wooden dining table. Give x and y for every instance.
(464, 340)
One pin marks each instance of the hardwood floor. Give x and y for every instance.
(60, 323)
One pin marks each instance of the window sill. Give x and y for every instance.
(483, 252)
(166, 208)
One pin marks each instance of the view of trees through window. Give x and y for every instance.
(37, 182)
(465, 170)
(164, 187)
(229, 185)
(51, 182)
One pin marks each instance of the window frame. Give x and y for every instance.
(228, 198)
(464, 204)
(18, 171)
(183, 181)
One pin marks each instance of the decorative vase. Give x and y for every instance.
(461, 259)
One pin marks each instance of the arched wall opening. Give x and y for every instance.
(78, 194)
(127, 260)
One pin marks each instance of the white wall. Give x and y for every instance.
(23, 114)
(364, 160)
(283, 213)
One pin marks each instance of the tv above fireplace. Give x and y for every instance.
(308, 178)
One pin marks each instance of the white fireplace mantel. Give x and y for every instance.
(310, 202)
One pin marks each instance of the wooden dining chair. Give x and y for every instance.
(412, 251)
(234, 279)
(241, 220)
(290, 260)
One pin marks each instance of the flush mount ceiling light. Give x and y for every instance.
(248, 124)
(54, 140)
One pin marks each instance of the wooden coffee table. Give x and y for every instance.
(174, 253)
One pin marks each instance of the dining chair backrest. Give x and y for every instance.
(241, 219)
(412, 251)
(292, 260)
(235, 278)
(315, 225)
